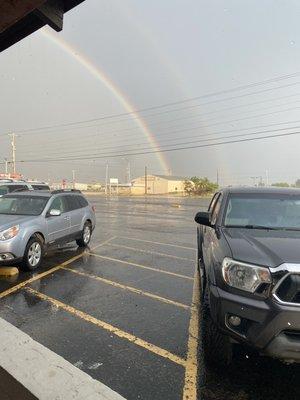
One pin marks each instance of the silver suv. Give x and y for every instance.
(11, 185)
(33, 221)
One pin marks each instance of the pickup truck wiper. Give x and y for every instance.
(267, 228)
(273, 228)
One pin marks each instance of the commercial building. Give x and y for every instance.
(158, 184)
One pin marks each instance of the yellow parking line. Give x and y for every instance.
(129, 288)
(162, 271)
(116, 331)
(151, 252)
(50, 271)
(161, 243)
(191, 370)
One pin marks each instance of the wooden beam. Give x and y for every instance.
(12, 11)
(20, 18)
(52, 13)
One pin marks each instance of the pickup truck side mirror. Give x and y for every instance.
(203, 218)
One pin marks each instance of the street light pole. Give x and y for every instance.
(129, 172)
(73, 177)
(6, 166)
(13, 145)
(106, 178)
(146, 183)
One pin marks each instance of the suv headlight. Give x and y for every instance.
(244, 276)
(9, 233)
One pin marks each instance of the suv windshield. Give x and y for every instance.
(273, 211)
(22, 205)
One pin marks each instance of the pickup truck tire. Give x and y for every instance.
(216, 347)
(86, 235)
(33, 255)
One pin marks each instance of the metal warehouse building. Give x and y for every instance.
(158, 184)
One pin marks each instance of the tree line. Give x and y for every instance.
(204, 187)
(199, 186)
(286, 184)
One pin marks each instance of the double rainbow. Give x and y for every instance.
(99, 74)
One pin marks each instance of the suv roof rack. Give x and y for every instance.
(6, 180)
(65, 191)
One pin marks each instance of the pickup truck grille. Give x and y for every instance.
(288, 290)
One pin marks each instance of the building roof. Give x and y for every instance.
(171, 177)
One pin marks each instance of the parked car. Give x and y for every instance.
(33, 221)
(35, 185)
(10, 185)
(249, 261)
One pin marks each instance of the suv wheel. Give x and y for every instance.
(86, 235)
(33, 254)
(216, 347)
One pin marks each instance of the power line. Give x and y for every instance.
(158, 135)
(161, 151)
(226, 122)
(177, 102)
(180, 143)
(181, 118)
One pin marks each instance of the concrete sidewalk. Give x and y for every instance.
(30, 371)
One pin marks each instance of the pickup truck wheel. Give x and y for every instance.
(216, 347)
(33, 254)
(86, 235)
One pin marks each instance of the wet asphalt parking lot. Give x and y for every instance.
(125, 311)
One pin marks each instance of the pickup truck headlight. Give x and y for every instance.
(244, 276)
(9, 233)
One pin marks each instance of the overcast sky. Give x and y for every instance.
(157, 52)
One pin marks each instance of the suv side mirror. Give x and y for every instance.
(203, 218)
(54, 213)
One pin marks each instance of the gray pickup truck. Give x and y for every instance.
(249, 259)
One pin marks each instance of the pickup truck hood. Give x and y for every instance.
(264, 247)
(7, 221)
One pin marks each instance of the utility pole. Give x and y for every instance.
(146, 183)
(13, 146)
(73, 178)
(128, 172)
(267, 177)
(6, 166)
(218, 177)
(106, 178)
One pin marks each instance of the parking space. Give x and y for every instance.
(125, 310)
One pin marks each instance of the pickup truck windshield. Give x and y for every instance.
(261, 211)
(22, 205)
